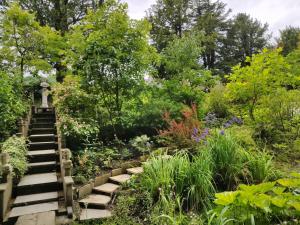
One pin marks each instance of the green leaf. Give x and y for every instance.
(278, 190)
(295, 204)
(289, 182)
(279, 201)
(262, 201)
(226, 198)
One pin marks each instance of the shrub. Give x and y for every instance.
(182, 133)
(17, 149)
(131, 208)
(12, 106)
(76, 109)
(217, 102)
(265, 203)
(141, 144)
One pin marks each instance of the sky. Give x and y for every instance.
(277, 13)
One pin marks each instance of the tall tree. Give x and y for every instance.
(25, 44)
(115, 54)
(264, 75)
(169, 18)
(289, 39)
(245, 36)
(59, 14)
(210, 17)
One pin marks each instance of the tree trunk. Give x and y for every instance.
(22, 70)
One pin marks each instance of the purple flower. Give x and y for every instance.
(233, 120)
(222, 132)
(198, 138)
(227, 124)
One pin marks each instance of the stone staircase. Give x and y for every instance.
(39, 193)
(96, 205)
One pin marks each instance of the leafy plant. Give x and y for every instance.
(233, 164)
(142, 144)
(217, 102)
(167, 177)
(180, 133)
(131, 208)
(16, 147)
(12, 104)
(266, 203)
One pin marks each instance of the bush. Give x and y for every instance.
(182, 133)
(265, 203)
(17, 149)
(12, 106)
(76, 110)
(131, 208)
(217, 102)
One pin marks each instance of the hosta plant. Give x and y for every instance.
(265, 203)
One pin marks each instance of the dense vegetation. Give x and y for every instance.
(204, 97)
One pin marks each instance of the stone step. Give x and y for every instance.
(33, 209)
(43, 120)
(42, 167)
(33, 131)
(89, 214)
(42, 145)
(107, 189)
(120, 179)
(95, 201)
(43, 114)
(38, 183)
(42, 137)
(24, 200)
(42, 156)
(135, 170)
(42, 125)
(43, 218)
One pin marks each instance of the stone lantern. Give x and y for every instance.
(45, 86)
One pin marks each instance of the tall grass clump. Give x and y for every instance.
(260, 166)
(179, 178)
(201, 186)
(234, 164)
(227, 157)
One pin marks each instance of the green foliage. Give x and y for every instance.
(181, 57)
(245, 36)
(265, 203)
(141, 143)
(131, 208)
(169, 177)
(233, 164)
(168, 19)
(75, 108)
(59, 14)
(116, 55)
(181, 133)
(266, 72)
(278, 116)
(26, 44)
(289, 39)
(16, 147)
(217, 102)
(12, 105)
